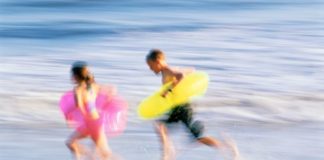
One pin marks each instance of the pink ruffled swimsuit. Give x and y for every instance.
(112, 111)
(91, 126)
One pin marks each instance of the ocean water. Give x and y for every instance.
(265, 60)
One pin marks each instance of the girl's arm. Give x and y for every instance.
(80, 104)
(109, 90)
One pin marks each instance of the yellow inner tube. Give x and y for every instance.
(192, 85)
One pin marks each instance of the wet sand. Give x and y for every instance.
(257, 141)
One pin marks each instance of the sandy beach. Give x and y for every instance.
(258, 141)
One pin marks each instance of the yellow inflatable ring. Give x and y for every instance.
(192, 85)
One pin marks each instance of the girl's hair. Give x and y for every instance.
(154, 55)
(81, 74)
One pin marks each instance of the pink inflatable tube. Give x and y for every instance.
(112, 111)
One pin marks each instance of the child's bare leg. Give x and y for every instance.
(210, 141)
(167, 147)
(76, 148)
(102, 146)
(221, 145)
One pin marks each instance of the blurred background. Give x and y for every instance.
(265, 60)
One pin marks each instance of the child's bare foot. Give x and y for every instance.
(229, 148)
(233, 147)
(169, 152)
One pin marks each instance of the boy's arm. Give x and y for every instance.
(178, 77)
(187, 70)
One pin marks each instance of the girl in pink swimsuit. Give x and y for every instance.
(85, 93)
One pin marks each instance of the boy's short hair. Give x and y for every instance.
(154, 55)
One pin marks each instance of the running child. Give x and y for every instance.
(182, 113)
(85, 93)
